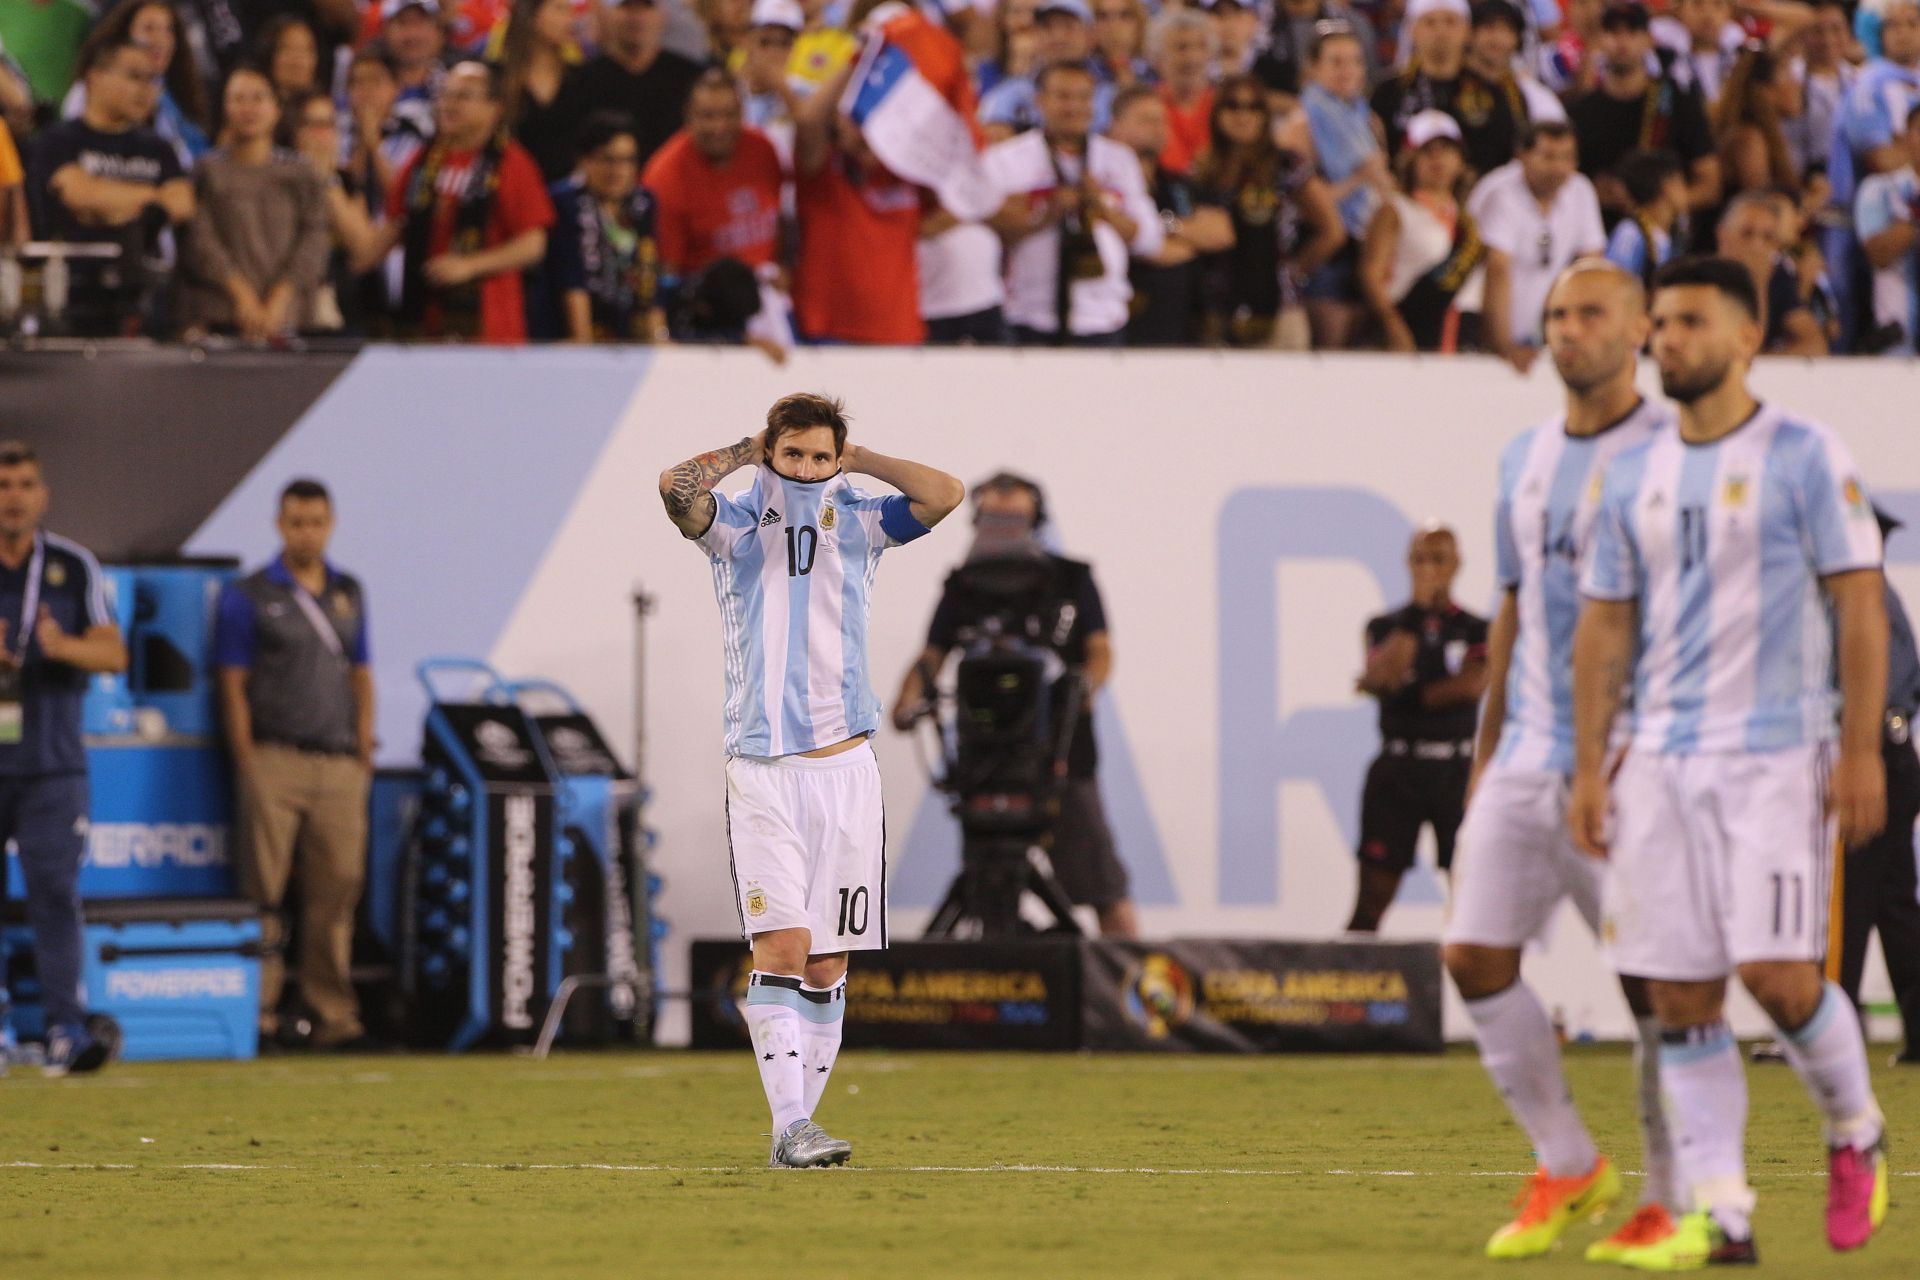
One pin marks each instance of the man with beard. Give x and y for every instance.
(1516, 864)
(1734, 570)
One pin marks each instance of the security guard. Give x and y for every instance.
(1427, 666)
(1881, 891)
(297, 702)
(55, 631)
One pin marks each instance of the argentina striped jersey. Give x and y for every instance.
(793, 567)
(1723, 545)
(1549, 493)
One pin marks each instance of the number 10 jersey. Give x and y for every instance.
(793, 567)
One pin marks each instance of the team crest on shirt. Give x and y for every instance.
(1599, 483)
(826, 516)
(342, 605)
(56, 574)
(756, 901)
(1856, 496)
(1736, 490)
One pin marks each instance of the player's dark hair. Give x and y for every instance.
(802, 411)
(1724, 275)
(1010, 482)
(1643, 173)
(305, 489)
(1075, 66)
(602, 127)
(17, 453)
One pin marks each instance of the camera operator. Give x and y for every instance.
(1009, 511)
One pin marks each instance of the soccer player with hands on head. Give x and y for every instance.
(794, 556)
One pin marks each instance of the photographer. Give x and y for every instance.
(1008, 513)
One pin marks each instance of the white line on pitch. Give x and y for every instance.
(1102, 1170)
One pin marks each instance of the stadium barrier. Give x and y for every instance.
(1215, 995)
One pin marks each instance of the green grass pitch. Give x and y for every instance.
(992, 1165)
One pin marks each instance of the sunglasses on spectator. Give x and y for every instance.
(1243, 104)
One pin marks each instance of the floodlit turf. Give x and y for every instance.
(643, 1164)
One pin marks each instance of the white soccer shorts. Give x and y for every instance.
(1516, 861)
(808, 848)
(1719, 860)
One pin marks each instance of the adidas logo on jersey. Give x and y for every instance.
(772, 517)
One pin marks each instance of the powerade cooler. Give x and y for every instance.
(168, 950)
(519, 871)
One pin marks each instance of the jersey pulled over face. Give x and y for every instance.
(1549, 493)
(1723, 546)
(793, 568)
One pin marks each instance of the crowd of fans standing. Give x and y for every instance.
(1328, 174)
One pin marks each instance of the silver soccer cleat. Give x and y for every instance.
(805, 1145)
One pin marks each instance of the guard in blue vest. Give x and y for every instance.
(55, 631)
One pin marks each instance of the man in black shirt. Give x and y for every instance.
(633, 74)
(1632, 109)
(95, 177)
(1427, 666)
(1882, 889)
(1437, 78)
(1166, 287)
(1009, 510)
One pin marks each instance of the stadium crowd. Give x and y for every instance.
(1327, 174)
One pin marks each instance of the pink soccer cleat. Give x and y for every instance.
(1856, 1194)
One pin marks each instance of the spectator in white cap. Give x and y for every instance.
(766, 60)
(1066, 35)
(1436, 78)
(1421, 267)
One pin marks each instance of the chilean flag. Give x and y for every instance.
(913, 100)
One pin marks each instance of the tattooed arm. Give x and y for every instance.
(687, 490)
(1603, 644)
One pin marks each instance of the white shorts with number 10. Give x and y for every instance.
(1718, 860)
(1516, 861)
(807, 841)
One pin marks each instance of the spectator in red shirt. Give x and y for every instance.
(1181, 44)
(717, 184)
(856, 278)
(471, 214)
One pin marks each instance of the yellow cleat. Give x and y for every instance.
(1694, 1242)
(1649, 1224)
(1548, 1204)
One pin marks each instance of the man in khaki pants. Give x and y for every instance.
(297, 700)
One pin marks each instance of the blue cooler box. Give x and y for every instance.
(181, 977)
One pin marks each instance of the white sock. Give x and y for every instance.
(1830, 1056)
(1662, 1187)
(1521, 1053)
(822, 1015)
(1705, 1087)
(774, 1022)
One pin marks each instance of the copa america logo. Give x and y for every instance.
(1159, 994)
